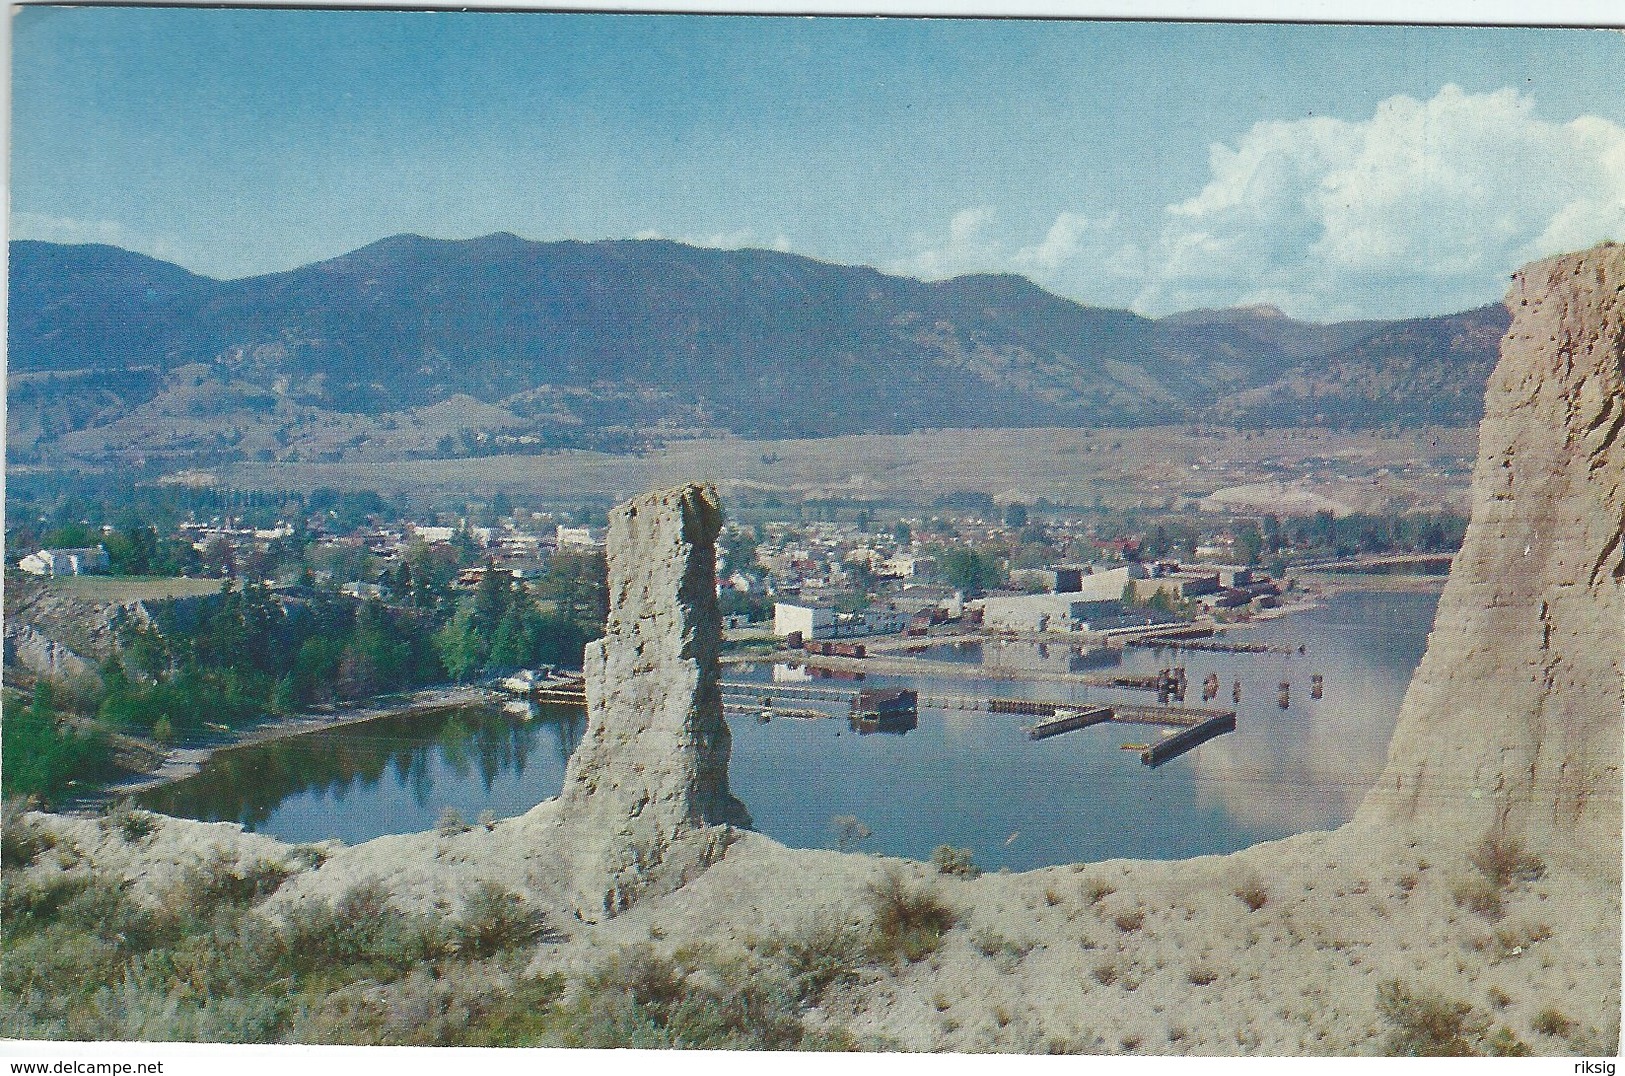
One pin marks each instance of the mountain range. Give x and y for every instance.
(423, 347)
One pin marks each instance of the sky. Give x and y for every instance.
(1332, 171)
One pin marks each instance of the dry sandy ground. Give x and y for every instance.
(1149, 467)
(1121, 956)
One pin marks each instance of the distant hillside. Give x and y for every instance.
(413, 347)
(1406, 372)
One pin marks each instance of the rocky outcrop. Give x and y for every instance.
(645, 803)
(51, 632)
(41, 655)
(1512, 724)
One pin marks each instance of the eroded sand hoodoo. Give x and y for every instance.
(1511, 727)
(645, 802)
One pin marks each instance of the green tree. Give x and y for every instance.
(1249, 541)
(458, 645)
(969, 570)
(492, 597)
(511, 646)
(42, 752)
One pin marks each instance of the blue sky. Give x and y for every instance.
(1333, 171)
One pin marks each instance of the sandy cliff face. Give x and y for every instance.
(646, 793)
(1512, 724)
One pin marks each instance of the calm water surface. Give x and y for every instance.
(964, 778)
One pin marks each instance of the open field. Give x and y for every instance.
(120, 589)
(1151, 467)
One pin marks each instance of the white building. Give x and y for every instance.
(65, 561)
(1177, 585)
(579, 537)
(906, 565)
(812, 621)
(885, 621)
(1050, 612)
(1107, 584)
(434, 534)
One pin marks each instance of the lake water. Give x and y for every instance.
(970, 779)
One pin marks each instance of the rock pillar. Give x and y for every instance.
(1512, 724)
(645, 802)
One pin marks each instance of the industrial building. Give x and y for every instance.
(1051, 612)
(811, 621)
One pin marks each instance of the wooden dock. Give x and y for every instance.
(1066, 721)
(1194, 725)
(769, 712)
(1165, 715)
(1213, 646)
(568, 696)
(1170, 747)
(892, 665)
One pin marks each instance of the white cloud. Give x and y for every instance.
(737, 240)
(1061, 244)
(75, 231)
(1423, 208)
(966, 247)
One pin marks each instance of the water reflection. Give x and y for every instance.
(401, 772)
(1309, 766)
(969, 778)
(960, 777)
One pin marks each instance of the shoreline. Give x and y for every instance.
(183, 762)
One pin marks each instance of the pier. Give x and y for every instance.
(1213, 646)
(1185, 739)
(880, 665)
(1194, 725)
(1068, 720)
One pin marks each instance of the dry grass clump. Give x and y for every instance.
(822, 957)
(1504, 861)
(493, 919)
(1427, 1025)
(221, 880)
(129, 822)
(1552, 1022)
(1106, 974)
(451, 823)
(1503, 1043)
(1007, 954)
(21, 842)
(644, 999)
(1253, 894)
(1130, 921)
(908, 923)
(1481, 897)
(1095, 892)
(1202, 976)
(955, 861)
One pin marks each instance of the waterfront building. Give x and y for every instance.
(812, 621)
